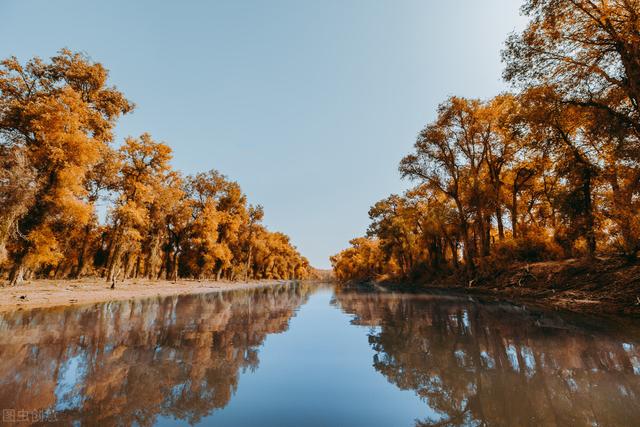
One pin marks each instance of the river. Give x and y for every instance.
(310, 355)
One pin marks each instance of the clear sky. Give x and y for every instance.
(309, 105)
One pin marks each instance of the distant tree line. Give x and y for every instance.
(59, 163)
(550, 171)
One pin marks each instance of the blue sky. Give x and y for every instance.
(309, 105)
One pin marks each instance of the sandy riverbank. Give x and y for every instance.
(51, 293)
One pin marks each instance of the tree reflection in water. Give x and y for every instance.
(131, 361)
(495, 364)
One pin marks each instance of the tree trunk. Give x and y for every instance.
(113, 264)
(454, 253)
(481, 225)
(466, 240)
(623, 214)
(174, 272)
(588, 212)
(83, 252)
(514, 213)
(30, 222)
(246, 269)
(17, 273)
(500, 224)
(468, 248)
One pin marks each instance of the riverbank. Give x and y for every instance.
(597, 286)
(52, 293)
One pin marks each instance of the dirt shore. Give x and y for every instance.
(51, 293)
(605, 285)
(599, 285)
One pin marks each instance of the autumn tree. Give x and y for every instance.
(437, 226)
(145, 167)
(589, 50)
(101, 178)
(503, 147)
(588, 54)
(449, 156)
(395, 223)
(362, 261)
(17, 192)
(179, 220)
(219, 208)
(256, 214)
(562, 131)
(55, 118)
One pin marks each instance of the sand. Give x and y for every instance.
(52, 293)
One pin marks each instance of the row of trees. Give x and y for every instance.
(58, 164)
(550, 171)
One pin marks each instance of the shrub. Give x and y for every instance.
(532, 248)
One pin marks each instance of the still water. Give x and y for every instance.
(306, 355)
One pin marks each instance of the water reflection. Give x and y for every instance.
(492, 364)
(150, 361)
(124, 363)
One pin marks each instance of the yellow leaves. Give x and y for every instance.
(46, 248)
(59, 122)
(221, 252)
(132, 236)
(205, 228)
(131, 214)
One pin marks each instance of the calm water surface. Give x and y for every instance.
(304, 355)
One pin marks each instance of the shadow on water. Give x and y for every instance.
(128, 362)
(499, 364)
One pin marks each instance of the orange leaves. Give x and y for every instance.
(46, 248)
